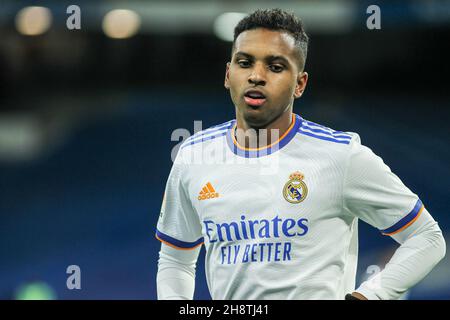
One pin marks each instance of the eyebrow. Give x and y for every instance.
(267, 58)
(281, 58)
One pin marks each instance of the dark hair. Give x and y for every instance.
(279, 20)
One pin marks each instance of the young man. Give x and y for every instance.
(276, 198)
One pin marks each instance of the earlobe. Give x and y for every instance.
(302, 79)
(227, 75)
(299, 91)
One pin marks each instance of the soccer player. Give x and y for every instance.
(276, 198)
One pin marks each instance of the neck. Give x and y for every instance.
(249, 136)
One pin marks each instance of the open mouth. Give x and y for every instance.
(254, 98)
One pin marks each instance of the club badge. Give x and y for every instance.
(295, 190)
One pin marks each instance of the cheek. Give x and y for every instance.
(285, 88)
(236, 77)
(236, 82)
(233, 89)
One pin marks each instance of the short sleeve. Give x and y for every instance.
(178, 224)
(376, 195)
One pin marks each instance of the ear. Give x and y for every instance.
(302, 79)
(227, 76)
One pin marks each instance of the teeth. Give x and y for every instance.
(255, 95)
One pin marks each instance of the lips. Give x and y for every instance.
(254, 98)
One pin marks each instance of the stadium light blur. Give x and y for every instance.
(225, 23)
(121, 23)
(33, 21)
(38, 290)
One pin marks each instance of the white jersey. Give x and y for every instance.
(280, 222)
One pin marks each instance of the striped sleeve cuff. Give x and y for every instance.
(406, 221)
(177, 244)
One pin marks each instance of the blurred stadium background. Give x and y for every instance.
(86, 118)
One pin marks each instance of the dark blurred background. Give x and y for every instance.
(86, 118)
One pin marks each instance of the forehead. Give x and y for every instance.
(262, 42)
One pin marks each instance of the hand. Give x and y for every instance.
(358, 296)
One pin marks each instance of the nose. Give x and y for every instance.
(258, 75)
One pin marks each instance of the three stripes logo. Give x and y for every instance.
(207, 192)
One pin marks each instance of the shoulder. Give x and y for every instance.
(198, 140)
(208, 134)
(194, 153)
(324, 135)
(342, 146)
(325, 143)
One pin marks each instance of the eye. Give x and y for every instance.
(243, 63)
(276, 68)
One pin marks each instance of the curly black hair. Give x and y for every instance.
(279, 20)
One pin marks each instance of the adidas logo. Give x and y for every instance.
(207, 192)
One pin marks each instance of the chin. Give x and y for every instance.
(255, 117)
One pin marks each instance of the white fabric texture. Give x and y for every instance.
(176, 273)
(261, 243)
(422, 247)
(372, 192)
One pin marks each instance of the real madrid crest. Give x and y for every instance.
(295, 190)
